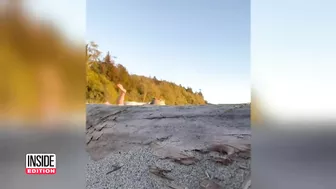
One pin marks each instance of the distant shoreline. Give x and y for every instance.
(189, 104)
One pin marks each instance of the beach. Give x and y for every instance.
(168, 146)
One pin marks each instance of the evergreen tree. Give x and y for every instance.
(107, 58)
(103, 75)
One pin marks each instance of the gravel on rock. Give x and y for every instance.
(194, 147)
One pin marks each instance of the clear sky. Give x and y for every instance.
(200, 44)
(292, 46)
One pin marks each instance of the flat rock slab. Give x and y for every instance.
(190, 141)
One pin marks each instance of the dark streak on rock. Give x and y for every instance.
(160, 172)
(164, 138)
(88, 139)
(114, 168)
(103, 119)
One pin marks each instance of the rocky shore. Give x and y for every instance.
(161, 147)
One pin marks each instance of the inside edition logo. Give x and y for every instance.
(39, 164)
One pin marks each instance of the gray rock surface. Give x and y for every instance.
(168, 146)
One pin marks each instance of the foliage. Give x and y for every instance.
(103, 74)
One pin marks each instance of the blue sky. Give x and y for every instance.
(200, 44)
(292, 50)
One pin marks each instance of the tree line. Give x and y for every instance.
(103, 73)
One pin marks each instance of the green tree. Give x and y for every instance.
(92, 52)
(103, 75)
